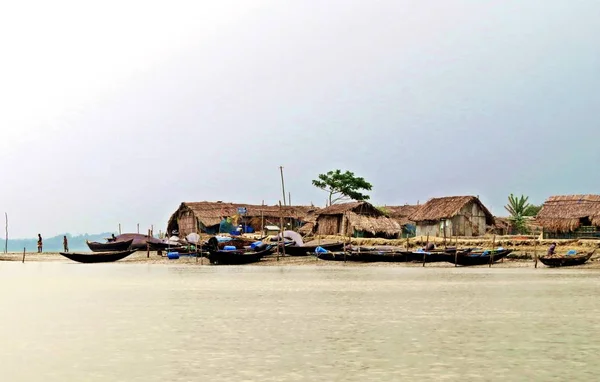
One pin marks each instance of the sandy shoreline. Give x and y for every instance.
(141, 257)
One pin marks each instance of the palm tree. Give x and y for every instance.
(516, 207)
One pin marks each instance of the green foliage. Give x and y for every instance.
(532, 210)
(383, 210)
(518, 207)
(342, 186)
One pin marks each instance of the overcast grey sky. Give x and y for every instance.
(118, 111)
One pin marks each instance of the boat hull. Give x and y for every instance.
(565, 261)
(473, 258)
(97, 257)
(238, 257)
(306, 250)
(113, 246)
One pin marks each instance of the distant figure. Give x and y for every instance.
(551, 249)
(429, 247)
(40, 243)
(66, 243)
(113, 237)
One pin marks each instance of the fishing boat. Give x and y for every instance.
(478, 257)
(97, 257)
(140, 241)
(111, 246)
(294, 250)
(566, 260)
(238, 256)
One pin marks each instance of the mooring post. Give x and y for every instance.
(23, 255)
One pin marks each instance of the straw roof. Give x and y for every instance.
(448, 207)
(374, 224)
(563, 213)
(363, 216)
(357, 207)
(401, 213)
(211, 213)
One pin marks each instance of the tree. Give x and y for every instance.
(342, 186)
(517, 207)
(532, 210)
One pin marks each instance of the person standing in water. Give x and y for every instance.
(66, 243)
(40, 243)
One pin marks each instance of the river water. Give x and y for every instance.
(141, 322)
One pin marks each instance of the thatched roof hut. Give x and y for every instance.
(206, 216)
(355, 218)
(401, 213)
(567, 213)
(453, 216)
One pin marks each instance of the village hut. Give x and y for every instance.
(401, 214)
(358, 219)
(452, 216)
(570, 216)
(217, 217)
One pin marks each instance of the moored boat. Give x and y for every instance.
(305, 250)
(478, 257)
(238, 256)
(565, 260)
(111, 246)
(97, 257)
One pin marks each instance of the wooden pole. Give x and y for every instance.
(262, 218)
(138, 227)
(148, 249)
(425, 252)
(535, 255)
(23, 255)
(282, 184)
(281, 230)
(119, 228)
(456, 257)
(6, 237)
(445, 234)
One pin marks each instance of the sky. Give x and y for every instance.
(115, 112)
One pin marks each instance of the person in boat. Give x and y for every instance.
(429, 247)
(113, 237)
(552, 249)
(40, 243)
(66, 243)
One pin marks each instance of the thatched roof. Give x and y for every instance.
(401, 214)
(211, 213)
(374, 224)
(563, 213)
(363, 216)
(356, 207)
(447, 207)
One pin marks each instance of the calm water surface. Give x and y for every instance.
(138, 322)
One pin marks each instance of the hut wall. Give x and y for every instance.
(187, 223)
(329, 224)
(470, 221)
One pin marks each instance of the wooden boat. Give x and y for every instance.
(565, 260)
(97, 257)
(478, 257)
(237, 257)
(305, 250)
(427, 257)
(374, 256)
(111, 246)
(140, 242)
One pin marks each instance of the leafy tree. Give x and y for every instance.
(532, 210)
(342, 186)
(517, 208)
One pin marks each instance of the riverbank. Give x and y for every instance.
(141, 257)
